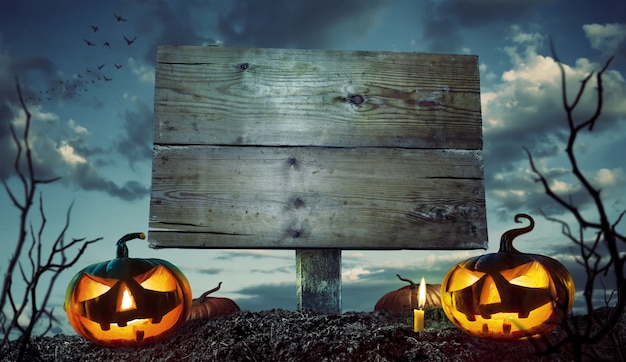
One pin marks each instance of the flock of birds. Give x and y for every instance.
(80, 82)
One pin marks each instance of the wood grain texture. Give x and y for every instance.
(283, 148)
(211, 95)
(288, 197)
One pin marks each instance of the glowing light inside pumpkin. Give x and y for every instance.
(490, 293)
(128, 302)
(532, 275)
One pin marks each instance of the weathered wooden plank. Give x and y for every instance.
(270, 97)
(318, 280)
(315, 197)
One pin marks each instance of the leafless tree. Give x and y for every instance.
(581, 334)
(38, 268)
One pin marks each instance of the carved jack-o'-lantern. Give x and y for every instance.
(127, 301)
(508, 295)
(405, 299)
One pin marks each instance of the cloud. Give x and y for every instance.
(88, 178)
(610, 39)
(284, 269)
(443, 23)
(524, 110)
(569, 255)
(56, 152)
(254, 254)
(356, 273)
(209, 271)
(297, 24)
(135, 141)
(267, 296)
(144, 72)
(69, 156)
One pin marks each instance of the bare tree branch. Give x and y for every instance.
(581, 335)
(41, 266)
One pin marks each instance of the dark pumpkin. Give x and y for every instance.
(205, 307)
(127, 301)
(508, 295)
(405, 299)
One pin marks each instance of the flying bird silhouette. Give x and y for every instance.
(89, 43)
(101, 66)
(130, 41)
(94, 28)
(107, 79)
(117, 66)
(119, 18)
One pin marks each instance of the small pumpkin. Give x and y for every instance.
(205, 307)
(127, 301)
(508, 295)
(405, 299)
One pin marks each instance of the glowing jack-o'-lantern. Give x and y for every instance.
(508, 295)
(127, 301)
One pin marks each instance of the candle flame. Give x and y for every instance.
(421, 294)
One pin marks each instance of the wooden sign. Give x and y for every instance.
(284, 148)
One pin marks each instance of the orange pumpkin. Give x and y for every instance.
(508, 295)
(205, 307)
(127, 301)
(405, 299)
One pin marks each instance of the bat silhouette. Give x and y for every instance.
(100, 66)
(94, 28)
(89, 43)
(117, 66)
(119, 18)
(107, 44)
(107, 79)
(130, 41)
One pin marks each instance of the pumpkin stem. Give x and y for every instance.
(122, 249)
(506, 241)
(202, 297)
(413, 285)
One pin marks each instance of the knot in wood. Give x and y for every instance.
(298, 203)
(244, 66)
(356, 99)
(292, 161)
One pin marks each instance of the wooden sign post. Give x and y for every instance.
(317, 151)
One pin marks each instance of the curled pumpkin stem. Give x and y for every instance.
(202, 297)
(122, 249)
(413, 285)
(506, 241)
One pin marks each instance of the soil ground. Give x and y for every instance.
(280, 335)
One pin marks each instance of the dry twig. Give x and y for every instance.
(581, 336)
(41, 266)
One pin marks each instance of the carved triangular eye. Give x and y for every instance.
(91, 286)
(462, 278)
(532, 275)
(159, 279)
